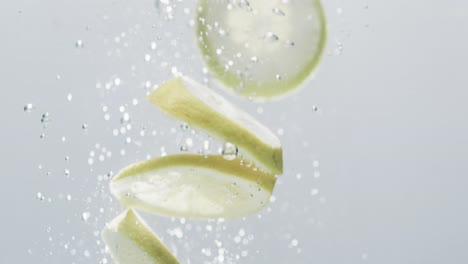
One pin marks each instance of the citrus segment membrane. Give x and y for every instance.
(193, 186)
(261, 48)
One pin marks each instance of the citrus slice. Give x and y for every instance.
(193, 186)
(130, 241)
(261, 48)
(199, 106)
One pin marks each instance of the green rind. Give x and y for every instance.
(265, 90)
(173, 98)
(134, 228)
(212, 162)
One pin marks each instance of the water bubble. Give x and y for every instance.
(84, 126)
(41, 136)
(45, 119)
(289, 43)
(315, 163)
(67, 172)
(153, 45)
(270, 36)
(85, 216)
(117, 81)
(147, 57)
(314, 192)
(79, 43)
(134, 101)
(184, 148)
(40, 196)
(278, 12)
(28, 108)
(125, 118)
(69, 197)
(229, 151)
(69, 97)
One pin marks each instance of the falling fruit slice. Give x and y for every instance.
(193, 186)
(261, 48)
(199, 106)
(130, 241)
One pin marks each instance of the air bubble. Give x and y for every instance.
(229, 151)
(79, 44)
(270, 36)
(28, 108)
(85, 216)
(278, 12)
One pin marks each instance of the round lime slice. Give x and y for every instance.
(261, 48)
(130, 241)
(193, 186)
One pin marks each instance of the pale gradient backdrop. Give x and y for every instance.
(377, 175)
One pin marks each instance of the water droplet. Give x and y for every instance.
(254, 59)
(147, 57)
(69, 97)
(85, 216)
(280, 131)
(184, 148)
(278, 12)
(314, 192)
(45, 119)
(117, 81)
(69, 197)
(184, 126)
(79, 44)
(125, 118)
(270, 36)
(229, 151)
(28, 108)
(289, 43)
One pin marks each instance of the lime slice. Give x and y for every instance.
(200, 107)
(193, 186)
(261, 48)
(130, 241)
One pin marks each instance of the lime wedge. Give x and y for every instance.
(130, 241)
(193, 186)
(261, 48)
(199, 106)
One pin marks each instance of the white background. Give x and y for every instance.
(387, 150)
